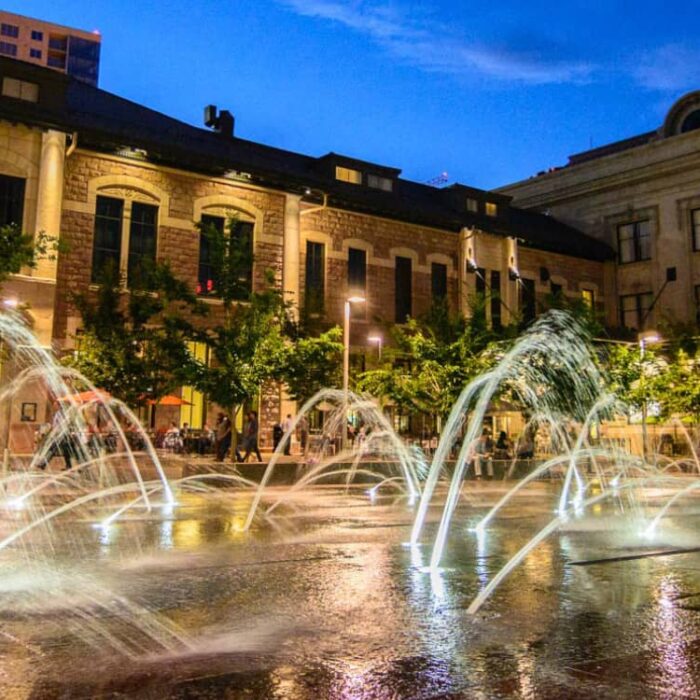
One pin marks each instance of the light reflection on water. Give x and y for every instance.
(357, 611)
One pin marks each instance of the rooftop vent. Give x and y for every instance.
(222, 122)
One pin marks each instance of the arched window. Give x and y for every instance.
(691, 122)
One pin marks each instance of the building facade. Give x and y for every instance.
(641, 196)
(117, 181)
(65, 49)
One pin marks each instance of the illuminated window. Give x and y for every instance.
(20, 89)
(472, 205)
(354, 177)
(240, 237)
(379, 183)
(193, 414)
(491, 209)
(634, 242)
(588, 298)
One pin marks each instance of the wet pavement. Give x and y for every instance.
(326, 601)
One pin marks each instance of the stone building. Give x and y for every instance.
(641, 196)
(118, 181)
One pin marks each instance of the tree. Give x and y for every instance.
(18, 250)
(134, 343)
(433, 358)
(312, 363)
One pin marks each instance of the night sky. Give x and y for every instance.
(490, 92)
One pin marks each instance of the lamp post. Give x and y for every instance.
(645, 338)
(376, 340)
(354, 299)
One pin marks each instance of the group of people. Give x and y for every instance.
(249, 438)
(484, 451)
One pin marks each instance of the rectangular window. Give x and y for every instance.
(634, 241)
(20, 89)
(379, 183)
(528, 301)
(8, 49)
(496, 319)
(588, 298)
(354, 177)
(403, 289)
(473, 205)
(11, 30)
(56, 62)
(695, 225)
(491, 209)
(206, 277)
(634, 309)
(34, 53)
(107, 242)
(357, 279)
(242, 241)
(143, 234)
(315, 288)
(556, 290)
(37, 36)
(11, 200)
(438, 282)
(697, 304)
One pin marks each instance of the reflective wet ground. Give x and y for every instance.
(326, 601)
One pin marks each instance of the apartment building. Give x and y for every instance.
(71, 51)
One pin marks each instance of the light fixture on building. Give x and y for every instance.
(513, 274)
(10, 302)
(472, 267)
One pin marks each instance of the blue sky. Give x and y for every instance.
(490, 92)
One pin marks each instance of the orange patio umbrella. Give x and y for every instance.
(169, 400)
(87, 396)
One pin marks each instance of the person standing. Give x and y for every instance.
(223, 437)
(250, 438)
(303, 428)
(483, 454)
(59, 439)
(287, 427)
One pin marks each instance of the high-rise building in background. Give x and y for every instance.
(68, 50)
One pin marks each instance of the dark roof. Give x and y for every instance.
(108, 123)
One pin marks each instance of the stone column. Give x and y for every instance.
(290, 268)
(511, 287)
(49, 201)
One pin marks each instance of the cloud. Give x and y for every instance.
(435, 48)
(673, 67)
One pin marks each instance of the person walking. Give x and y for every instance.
(303, 428)
(223, 437)
(286, 428)
(250, 437)
(483, 454)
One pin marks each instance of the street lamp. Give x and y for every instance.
(376, 340)
(645, 338)
(354, 299)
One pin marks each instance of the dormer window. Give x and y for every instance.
(491, 209)
(354, 177)
(472, 205)
(380, 183)
(20, 89)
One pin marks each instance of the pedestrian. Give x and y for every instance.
(483, 454)
(303, 428)
(223, 437)
(503, 446)
(250, 437)
(277, 434)
(287, 430)
(58, 439)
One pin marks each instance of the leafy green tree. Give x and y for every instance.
(18, 250)
(134, 344)
(313, 363)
